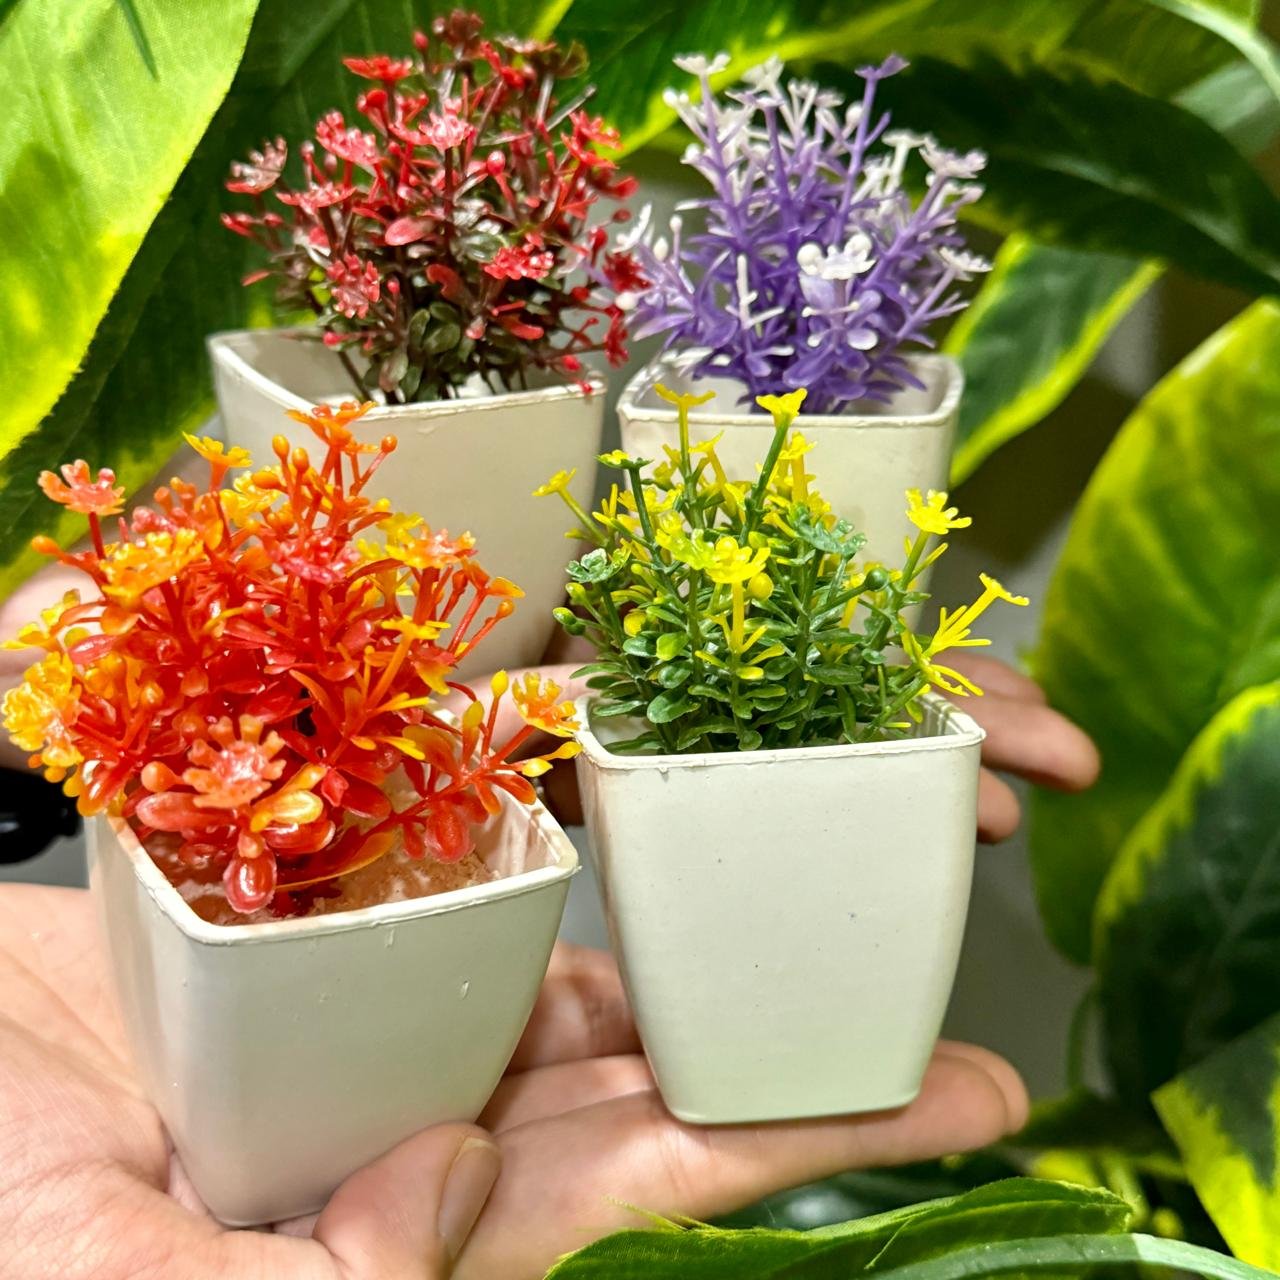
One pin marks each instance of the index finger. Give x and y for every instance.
(582, 1012)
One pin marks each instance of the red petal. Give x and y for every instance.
(365, 800)
(406, 230)
(250, 882)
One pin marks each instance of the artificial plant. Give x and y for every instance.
(450, 232)
(733, 614)
(256, 667)
(809, 263)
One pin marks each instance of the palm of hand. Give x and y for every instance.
(89, 1186)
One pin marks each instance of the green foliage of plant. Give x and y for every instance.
(1224, 1114)
(735, 614)
(1171, 557)
(1016, 1227)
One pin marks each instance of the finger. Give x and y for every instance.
(1005, 1075)
(565, 1086)
(996, 677)
(582, 1012)
(1036, 743)
(408, 1215)
(999, 812)
(635, 1149)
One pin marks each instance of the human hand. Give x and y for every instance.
(89, 1186)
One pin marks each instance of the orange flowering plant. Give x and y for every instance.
(255, 670)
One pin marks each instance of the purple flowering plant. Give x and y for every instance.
(811, 265)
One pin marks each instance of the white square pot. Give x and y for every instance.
(787, 923)
(283, 1056)
(864, 461)
(467, 465)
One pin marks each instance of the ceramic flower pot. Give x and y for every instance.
(283, 1056)
(864, 461)
(787, 923)
(467, 465)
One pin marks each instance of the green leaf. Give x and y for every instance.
(1077, 1256)
(1166, 600)
(1016, 1208)
(109, 101)
(1044, 311)
(669, 706)
(631, 48)
(1188, 923)
(1224, 1114)
(1085, 1122)
(1088, 163)
(1032, 331)
(671, 644)
(674, 674)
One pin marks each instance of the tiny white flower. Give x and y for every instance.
(904, 138)
(691, 154)
(964, 264)
(766, 76)
(837, 264)
(952, 164)
(674, 99)
(661, 248)
(626, 300)
(698, 65)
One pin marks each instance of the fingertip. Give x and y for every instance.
(999, 812)
(1003, 1075)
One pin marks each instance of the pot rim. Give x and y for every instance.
(959, 732)
(174, 906)
(630, 408)
(224, 350)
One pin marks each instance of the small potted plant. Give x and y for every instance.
(448, 244)
(329, 906)
(809, 264)
(782, 816)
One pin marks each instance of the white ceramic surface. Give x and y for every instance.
(787, 923)
(284, 1056)
(864, 462)
(463, 465)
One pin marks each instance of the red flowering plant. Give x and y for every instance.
(450, 232)
(254, 677)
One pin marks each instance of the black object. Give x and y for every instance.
(33, 814)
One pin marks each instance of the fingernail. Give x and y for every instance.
(466, 1187)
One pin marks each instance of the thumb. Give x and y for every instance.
(408, 1215)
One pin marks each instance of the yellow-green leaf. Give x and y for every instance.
(105, 103)
(1166, 601)
(1187, 934)
(1224, 1114)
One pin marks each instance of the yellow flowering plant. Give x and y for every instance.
(739, 614)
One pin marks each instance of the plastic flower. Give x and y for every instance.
(423, 548)
(78, 492)
(455, 227)
(738, 615)
(215, 452)
(131, 569)
(38, 713)
(946, 678)
(559, 483)
(811, 262)
(230, 769)
(520, 262)
(537, 700)
(786, 407)
(931, 514)
(255, 677)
